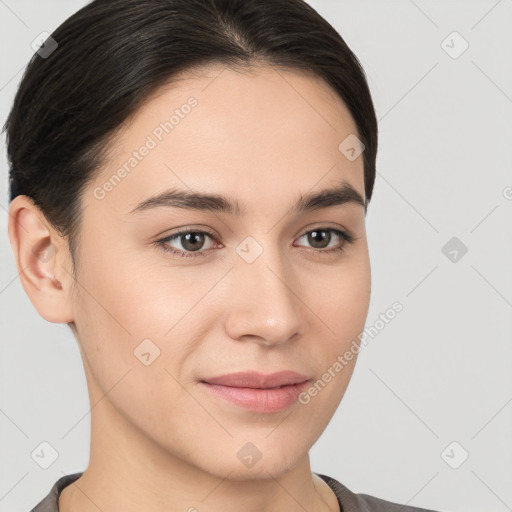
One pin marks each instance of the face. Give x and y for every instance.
(254, 283)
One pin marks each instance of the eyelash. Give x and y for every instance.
(344, 235)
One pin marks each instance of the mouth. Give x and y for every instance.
(258, 392)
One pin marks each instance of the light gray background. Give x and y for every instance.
(441, 370)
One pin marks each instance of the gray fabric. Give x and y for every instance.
(348, 501)
(351, 502)
(51, 502)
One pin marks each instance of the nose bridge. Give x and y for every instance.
(266, 306)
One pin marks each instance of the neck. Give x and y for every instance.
(128, 472)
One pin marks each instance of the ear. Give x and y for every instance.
(42, 259)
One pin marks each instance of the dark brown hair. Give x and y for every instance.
(112, 54)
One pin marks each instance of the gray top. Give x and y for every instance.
(348, 501)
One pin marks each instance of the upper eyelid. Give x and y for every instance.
(310, 227)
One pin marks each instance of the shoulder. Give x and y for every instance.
(353, 502)
(378, 505)
(51, 501)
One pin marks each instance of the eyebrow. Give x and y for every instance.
(192, 200)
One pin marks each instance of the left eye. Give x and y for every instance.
(192, 241)
(321, 235)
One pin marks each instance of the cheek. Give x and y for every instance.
(128, 357)
(142, 319)
(340, 310)
(113, 315)
(340, 297)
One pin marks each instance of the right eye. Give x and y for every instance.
(190, 240)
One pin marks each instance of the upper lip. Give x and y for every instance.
(254, 379)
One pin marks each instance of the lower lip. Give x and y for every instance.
(259, 400)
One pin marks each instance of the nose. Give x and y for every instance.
(264, 305)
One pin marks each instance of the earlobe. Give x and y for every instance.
(39, 253)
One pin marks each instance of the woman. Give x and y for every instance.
(189, 185)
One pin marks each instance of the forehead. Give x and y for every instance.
(262, 130)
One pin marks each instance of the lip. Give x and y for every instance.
(253, 379)
(258, 392)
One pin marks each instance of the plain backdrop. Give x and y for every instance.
(427, 417)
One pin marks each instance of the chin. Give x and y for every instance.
(248, 462)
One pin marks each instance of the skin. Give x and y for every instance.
(158, 441)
